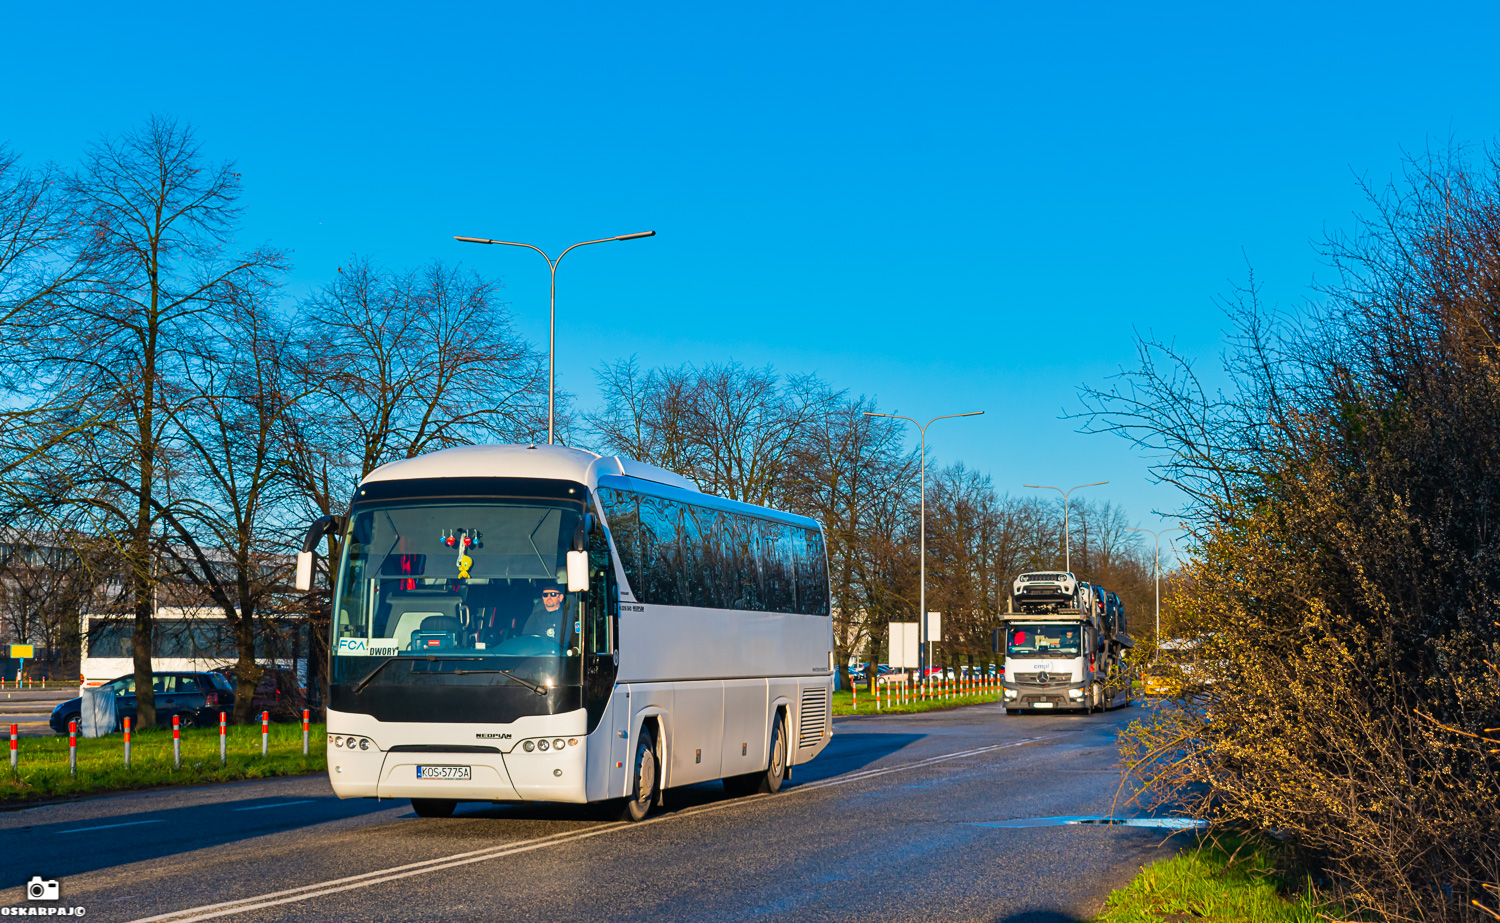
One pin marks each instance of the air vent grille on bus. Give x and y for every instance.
(814, 717)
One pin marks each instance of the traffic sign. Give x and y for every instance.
(22, 651)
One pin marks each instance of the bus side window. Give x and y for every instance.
(603, 596)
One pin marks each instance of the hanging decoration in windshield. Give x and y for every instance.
(463, 540)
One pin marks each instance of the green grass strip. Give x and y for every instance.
(43, 761)
(843, 703)
(1211, 882)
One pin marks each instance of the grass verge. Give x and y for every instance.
(43, 761)
(843, 703)
(1226, 880)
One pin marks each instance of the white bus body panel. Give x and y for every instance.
(712, 686)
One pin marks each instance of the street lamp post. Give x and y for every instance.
(552, 322)
(1067, 533)
(922, 655)
(1158, 534)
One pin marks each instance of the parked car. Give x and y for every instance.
(278, 692)
(194, 698)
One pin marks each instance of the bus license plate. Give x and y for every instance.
(456, 773)
(1042, 705)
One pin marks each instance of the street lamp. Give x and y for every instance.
(1067, 533)
(1158, 533)
(552, 323)
(922, 553)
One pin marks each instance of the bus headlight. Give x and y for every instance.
(1075, 693)
(542, 745)
(528, 746)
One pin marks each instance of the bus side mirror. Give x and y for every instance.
(578, 571)
(304, 570)
(995, 640)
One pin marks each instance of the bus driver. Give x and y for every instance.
(546, 614)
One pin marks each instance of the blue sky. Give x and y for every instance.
(948, 206)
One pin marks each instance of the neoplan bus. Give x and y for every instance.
(539, 623)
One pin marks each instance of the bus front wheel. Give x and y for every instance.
(433, 807)
(643, 783)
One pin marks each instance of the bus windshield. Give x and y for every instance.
(477, 586)
(1045, 641)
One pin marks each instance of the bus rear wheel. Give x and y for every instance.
(433, 807)
(643, 782)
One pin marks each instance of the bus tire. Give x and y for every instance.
(643, 779)
(433, 807)
(769, 782)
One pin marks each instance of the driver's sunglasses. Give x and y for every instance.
(551, 593)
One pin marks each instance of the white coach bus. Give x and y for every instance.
(539, 623)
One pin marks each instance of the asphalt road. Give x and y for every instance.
(918, 817)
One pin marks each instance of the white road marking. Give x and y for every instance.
(130, 823)
(285, 804)
(380, 876)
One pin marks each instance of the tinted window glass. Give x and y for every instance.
(187, 684)
(812, 574)
(661, 553)
(680, 554)
(623, 512)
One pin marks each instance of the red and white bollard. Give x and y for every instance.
(305, 716)
(854, 691)
(222, 724)
(127, 743)
(176, 742)
(73, 748)
(265, 732)
(15, 754)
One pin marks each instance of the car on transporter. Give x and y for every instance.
(1045, 591)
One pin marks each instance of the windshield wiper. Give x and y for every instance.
(360, 686)
(539, 690)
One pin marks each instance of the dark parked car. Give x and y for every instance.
(195, 698)
(278, 693)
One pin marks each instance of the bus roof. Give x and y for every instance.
(555, 462)
(563, 463)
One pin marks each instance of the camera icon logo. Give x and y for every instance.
(40, 889)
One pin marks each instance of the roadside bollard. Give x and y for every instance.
(14, 753)
(73, 748)
(176, 743)
(127, 743)
(854, 691)
(221, 738)
(304, 731)
(265, 732)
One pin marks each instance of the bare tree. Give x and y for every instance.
(846, 467)
(232, 529)
(156, 225)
